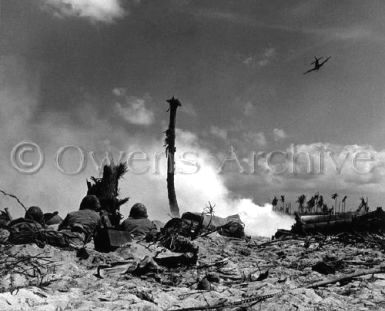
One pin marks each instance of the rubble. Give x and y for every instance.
(274, 276)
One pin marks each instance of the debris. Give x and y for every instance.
(329, 265)
(324, 268)
(4, 235)
(218, 263)
(348, 277)
(5, 218)
(245, 252)
(178, 244)
(204, 284)
(232, 229)
(263, 276)
(179, 226)
(213, 277)
(33, 268)
(147, 265)
(145, 296)
(14, 197)
(221, 305)
(82, 253)
(185, 259)
(122, 276)
(344, 222)
(107, 240)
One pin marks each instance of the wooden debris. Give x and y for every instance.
(14, 197)
(238, 303)
(347, 277)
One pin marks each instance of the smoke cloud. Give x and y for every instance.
(197, 179)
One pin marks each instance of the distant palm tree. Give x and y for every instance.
(311, 204)
(344, 203)
(320, 203)
(283, 202)
(301, 200)
(334, 197)
(364, 205)
(274, 203)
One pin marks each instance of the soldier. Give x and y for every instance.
(33, 221)
(85, 221)
(138, 223)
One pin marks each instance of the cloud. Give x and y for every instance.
(188, 109)
(248, 61)
(267, 55)
(106, 11)
(354, 170)
(349, 32)
(304, 9)
(251, 139)
(279, 134)
(134, 109)
(194, 190)
(248, 109)
(262, 59)
(218, 132)
(326, 166)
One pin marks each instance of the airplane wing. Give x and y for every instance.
(310, 70)
(325, 60)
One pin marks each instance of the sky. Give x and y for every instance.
(96, 74)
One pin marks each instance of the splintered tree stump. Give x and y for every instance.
(170, 153)
(107, 190)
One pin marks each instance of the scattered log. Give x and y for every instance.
(347, 277)
(268, 243)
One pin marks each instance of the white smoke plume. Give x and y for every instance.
(197, 180)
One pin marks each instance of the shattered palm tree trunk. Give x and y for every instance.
(170, 153)
(107, 190)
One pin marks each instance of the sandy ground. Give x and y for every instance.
(74, 284)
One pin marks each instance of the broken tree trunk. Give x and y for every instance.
(107, 190)
(170, 153)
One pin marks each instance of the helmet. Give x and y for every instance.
(90, 202)
(52, 218)
(138, 210)
(35, 213)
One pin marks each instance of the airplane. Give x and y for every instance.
(317, 64)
